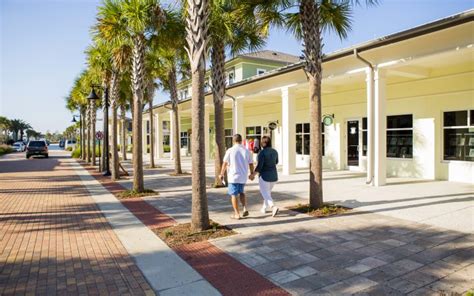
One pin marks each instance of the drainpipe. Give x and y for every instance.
(370, 118)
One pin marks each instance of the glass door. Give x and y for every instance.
(353, 143)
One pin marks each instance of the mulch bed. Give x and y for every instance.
(325, 211)
(179, 175)
(126, 194)
(182, 234)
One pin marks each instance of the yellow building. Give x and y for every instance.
(402, 105)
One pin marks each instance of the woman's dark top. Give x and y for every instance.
(266, 164)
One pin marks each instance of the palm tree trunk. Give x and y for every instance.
(123, 116)
(113, 145)
(103, 157)
(309, 15)
(89, 127)
(152, 135)
(197, 26)
(218, 92)
(175, 126)
(83, 153)
(93, 118)
(137, 85)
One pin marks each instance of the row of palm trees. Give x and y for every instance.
(15, 129)
(139, 45)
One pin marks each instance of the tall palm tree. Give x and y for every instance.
(23, 126)
(234, 29)
(110, 30)
(197, 40)
(15, 126)
(168, 58)
(138, 21)
(150, 87)
(312, 17)
(124, 102)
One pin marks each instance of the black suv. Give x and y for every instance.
(37, 148)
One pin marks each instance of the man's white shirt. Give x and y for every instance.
(238, 159)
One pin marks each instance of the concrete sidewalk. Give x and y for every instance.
(166, 272)
(361, 252)
(443, 204)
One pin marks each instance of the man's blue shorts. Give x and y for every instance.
(236, 188)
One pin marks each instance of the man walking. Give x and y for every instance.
(237, 161)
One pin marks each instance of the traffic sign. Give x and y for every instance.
(99, 135)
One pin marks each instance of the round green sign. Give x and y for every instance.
(328, 120)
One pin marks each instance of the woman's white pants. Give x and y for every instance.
(266, 191)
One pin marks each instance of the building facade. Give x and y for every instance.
(398, 106)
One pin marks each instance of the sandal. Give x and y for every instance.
(245, 214)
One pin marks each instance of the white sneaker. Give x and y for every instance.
(275, 211)
(263, 210)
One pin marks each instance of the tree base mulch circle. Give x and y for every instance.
(182, 234)
(326, 210)
(179, 175)
(127, 194)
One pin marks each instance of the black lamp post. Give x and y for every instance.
(93, 96)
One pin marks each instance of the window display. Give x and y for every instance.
(458, 135)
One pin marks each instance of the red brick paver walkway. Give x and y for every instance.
(53, 238)
(226, 274)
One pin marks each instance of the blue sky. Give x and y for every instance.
(43, 42)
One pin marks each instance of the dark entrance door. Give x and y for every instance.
(353, 143)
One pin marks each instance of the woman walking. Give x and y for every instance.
(267, 161)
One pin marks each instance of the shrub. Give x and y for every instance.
(129, 148)
(76, 153)
(69, 148)
(166, 148)
(4, 149)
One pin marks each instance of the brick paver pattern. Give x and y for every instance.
(53, 239)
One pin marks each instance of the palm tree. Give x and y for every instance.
(15, 126)
(124, 102)
(23, 126)
(307, 24)
(197, 39)
(138, 21)
(169, 57)
(108, 23)
(4, 127)
(227, 30)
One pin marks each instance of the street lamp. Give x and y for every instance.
(92, 97)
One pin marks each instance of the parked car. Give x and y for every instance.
(61, 143)
(37, 148)
(19, 146)
(70, 143)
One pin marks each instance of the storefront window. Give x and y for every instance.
(228, 138)
(303, 137)
(184, 140)
(400, 136)
(458, 135)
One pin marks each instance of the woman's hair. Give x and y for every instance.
(266, 142)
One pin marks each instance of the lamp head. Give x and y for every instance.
(93, 96)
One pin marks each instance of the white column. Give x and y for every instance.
(380, 134)
(159, 137)
(370, 125)
(238, 117)
(144, 135)
(288, 131)
(170, 113)
(206, 133)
